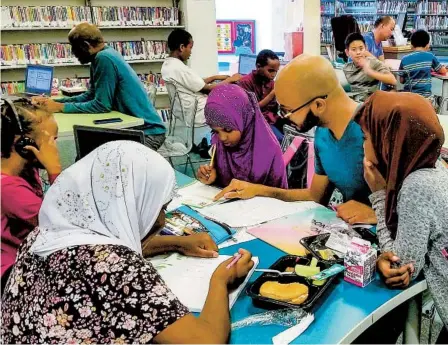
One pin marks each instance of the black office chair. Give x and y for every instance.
(342, 27)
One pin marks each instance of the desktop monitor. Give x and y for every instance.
(247, 64)
(401, 21)
(88, 139)
(39, 79)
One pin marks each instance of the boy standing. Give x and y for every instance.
(261, 82)
(418, 65)
(364, 73)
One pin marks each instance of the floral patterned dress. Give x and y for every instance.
(86, 294)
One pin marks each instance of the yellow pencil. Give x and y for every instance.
(213, 155)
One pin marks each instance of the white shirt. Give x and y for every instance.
(189, 83)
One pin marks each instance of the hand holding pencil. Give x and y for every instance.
(207, 173)
(235, 268)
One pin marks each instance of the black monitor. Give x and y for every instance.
(401, 21)
(88, 138)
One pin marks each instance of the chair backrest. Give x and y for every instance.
(342, 27)
(151, 91)
(183, 107)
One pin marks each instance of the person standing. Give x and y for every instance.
(383, 30)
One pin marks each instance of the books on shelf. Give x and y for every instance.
(61, 53)
(432, 23)
(13, 87)
(133, 16)
(103, 16)
(391, 7)
(432, 7)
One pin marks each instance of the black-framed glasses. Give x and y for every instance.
(288, 114)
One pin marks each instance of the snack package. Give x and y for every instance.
(360, 262)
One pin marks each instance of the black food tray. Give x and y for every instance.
(315, 243)
(314, 292)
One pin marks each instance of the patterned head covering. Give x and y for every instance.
(257, 157)
(112, 196)
(406, 135)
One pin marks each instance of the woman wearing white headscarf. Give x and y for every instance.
(81, 276)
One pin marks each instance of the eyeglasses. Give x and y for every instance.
(302, 106)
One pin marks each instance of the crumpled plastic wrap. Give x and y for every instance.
(281, 317)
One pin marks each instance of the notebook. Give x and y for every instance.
(196, 195)
(189, 278)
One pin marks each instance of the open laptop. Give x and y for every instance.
(38, 81)
(88, 138)
(247, 63)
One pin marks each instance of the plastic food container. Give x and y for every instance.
(315, 292)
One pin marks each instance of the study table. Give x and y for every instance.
(343, 313)
(442, 91)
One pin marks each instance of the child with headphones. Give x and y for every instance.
(27, 144)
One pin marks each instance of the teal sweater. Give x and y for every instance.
(114, 85)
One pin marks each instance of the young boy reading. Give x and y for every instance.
(418, 65)
(364, 73)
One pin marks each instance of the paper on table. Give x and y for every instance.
(292, 333)
(245, 213)
(196, 195)
(239, 237)
(189, 278)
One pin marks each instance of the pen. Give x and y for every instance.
(234, 261)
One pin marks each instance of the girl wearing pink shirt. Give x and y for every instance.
(27, 144)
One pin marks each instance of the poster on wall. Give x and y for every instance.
(224, 37)
(236, 36)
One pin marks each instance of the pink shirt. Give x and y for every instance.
(20, 207)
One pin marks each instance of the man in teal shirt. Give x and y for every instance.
(114, 85)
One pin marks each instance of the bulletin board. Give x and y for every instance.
(236, 36)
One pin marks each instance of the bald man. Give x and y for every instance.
(309, 91)
(114, 85)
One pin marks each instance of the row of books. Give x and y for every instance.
(391, 7)
(147, 79)
(129, 16)
(432, 23)
(432, 7)
(438, 39)
(103, 16)
(57, 53)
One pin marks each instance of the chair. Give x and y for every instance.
(342, 27)
(180, 137)
(151, 91)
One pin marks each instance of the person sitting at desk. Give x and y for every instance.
(364, 73)
(409, 197)
(310, 93)
(383, 30)
(419, 64)
(190, 85)
(114, 85)
(245, 147)
(82, 276)
(261, 82)
(28, 144)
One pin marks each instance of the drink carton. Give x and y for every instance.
(360, 262)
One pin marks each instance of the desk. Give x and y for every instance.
(344, 312)
(397, 52)
(444, 92)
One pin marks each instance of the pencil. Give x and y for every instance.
(234, 261)
(213, 155)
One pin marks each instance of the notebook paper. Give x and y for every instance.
(189, 278)
(196, 195)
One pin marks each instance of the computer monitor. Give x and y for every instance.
(401, 21)
(247, 63)
(39, 79)
(88, 138)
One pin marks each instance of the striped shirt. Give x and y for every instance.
(417, 75)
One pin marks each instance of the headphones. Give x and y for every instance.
(23, 141)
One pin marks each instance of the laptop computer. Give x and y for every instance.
(247, 63)
(38, 81)
(88, 138)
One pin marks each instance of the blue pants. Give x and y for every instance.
(279, 135)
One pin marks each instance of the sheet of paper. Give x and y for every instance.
(189, 278)
(246, 213)
(196, 195)
(240, 236)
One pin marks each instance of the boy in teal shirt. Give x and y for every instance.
(114, 85)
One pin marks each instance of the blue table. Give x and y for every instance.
(344, 313)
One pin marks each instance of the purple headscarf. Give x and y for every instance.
(258, 157)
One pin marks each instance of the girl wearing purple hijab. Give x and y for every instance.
(246, 148)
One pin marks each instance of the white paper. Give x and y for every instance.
(246, 213)
(339, 242)
(240, 236)
(196, 195)
(292, 333)
(189, 278)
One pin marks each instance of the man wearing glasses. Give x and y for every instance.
(310, 94)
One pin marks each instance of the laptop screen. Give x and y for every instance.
(39, 79)
(88, 139)
(247, 64)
